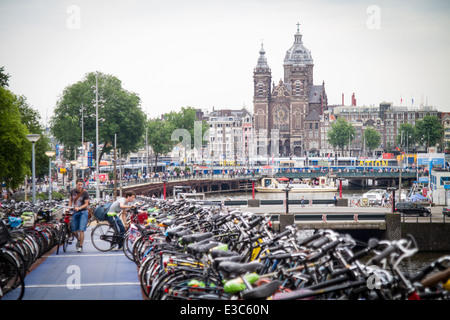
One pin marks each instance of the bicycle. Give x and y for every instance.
(12, 283)
(106, 236)
(64, 237)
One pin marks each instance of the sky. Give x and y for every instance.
(201, 53)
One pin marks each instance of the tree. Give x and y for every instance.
(341, 133)
(4, 78)
(372, 138)
(408, 132)
(185, 119)
(119, 113)
(429, 131)
(160, 132)
(15, 149)
(30, 118)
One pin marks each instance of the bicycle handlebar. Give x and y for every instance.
(385, 253)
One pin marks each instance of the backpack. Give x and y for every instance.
(101, 211)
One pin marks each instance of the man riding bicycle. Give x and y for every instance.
(120, 206)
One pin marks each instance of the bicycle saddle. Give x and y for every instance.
(216, 253)
(196, 237)
(237, 268)
(202, 247)
(262, 291)
(236, 258)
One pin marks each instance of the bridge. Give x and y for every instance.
(227, 182)
(390, 178)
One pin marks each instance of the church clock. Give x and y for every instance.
(281, 114)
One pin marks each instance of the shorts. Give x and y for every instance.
(79, 220)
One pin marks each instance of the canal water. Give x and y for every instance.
(413, 264)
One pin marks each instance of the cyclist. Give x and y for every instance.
(79, 201)
(120, 206)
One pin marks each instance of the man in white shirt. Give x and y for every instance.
(120, 206)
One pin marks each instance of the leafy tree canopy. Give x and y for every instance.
(341, 133)
(372, 138)
(429, 131)
(119, 112)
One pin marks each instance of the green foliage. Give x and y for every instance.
(15, 149)
(409, 136)
(159, 132)
(185, 119)
(30, 118)
(341, 133)
(119, 113)
(429, 131)
(4, 78)
(372, 138)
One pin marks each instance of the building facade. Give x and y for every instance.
(291, 109)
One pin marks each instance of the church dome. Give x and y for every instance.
(298, 54)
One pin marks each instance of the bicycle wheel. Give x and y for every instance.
(128, 247)
(63, 238)
(12, 285)
(102, 237)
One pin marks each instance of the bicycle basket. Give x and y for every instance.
(4, 234)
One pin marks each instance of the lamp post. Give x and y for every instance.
(164, 182)
(287, 189)
(97, 190)
(33, 138)
(50, 154)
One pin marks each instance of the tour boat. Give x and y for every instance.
(269, 185)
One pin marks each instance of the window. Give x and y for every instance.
(260, 89)
(297, 87)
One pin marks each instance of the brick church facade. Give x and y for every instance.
(287, 115)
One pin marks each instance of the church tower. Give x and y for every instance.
(298, 76)
(291, 109)
(298, 67)
(262, 79)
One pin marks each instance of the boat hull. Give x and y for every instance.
(295, 190)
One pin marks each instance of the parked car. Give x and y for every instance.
(412, 208)
(446, 211)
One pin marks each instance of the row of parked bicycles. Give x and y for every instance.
(27, 232)
(184, 251)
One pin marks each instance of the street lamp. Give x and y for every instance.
(50, 154)
(33, 138)
(164, 180)
(287, 189)
(97, 190)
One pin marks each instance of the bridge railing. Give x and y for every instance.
(348, 174)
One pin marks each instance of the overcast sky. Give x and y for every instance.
(202, 53)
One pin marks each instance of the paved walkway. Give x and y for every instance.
(91, 275)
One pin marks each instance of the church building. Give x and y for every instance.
(287, 115)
